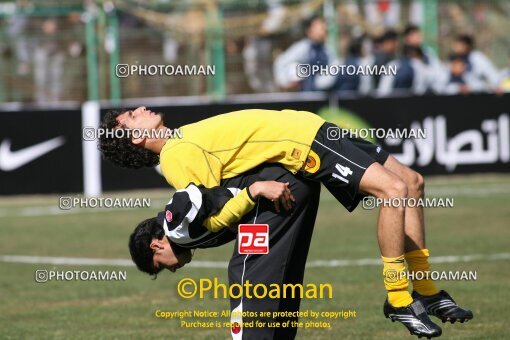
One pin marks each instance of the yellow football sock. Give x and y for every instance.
(418, 261)
(395, 281)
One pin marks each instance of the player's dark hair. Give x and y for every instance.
(120, 150)
(466, 39)
(139, 244)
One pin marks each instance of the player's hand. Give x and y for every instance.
(277, 192)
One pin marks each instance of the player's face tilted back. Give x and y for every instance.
(140, 118)
(130, 152)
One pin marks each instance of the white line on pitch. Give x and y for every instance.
(439, 191)
(54, 210)
(83, 261)
(434, 259)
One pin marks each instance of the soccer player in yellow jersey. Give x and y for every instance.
(224, 146)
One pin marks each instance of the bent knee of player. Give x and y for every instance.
(382, 183)
(415, 184)
(394, 188)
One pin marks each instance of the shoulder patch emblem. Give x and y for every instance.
(168, 216)
(312, 163)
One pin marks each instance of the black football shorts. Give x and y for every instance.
(340, 162)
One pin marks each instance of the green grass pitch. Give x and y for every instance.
(478, 224)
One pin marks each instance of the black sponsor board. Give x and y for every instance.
(454, 134)
(40, 151)
(463, 134)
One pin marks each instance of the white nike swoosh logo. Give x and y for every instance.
(12, 160)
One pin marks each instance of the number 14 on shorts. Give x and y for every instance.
(344, 171)
(253, 239)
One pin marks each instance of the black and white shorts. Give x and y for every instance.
(339, 163)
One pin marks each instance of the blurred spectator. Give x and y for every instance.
(411, 74)
(257, 54)
(258, 50)
(457, 79)
(413, 37)
(504, 83)
(383, 12)
(311, 50)
(477, 62)
(275, 17)
(17, 32)
(385, 50)
(344, 82)
(48, 64)
(170, 48)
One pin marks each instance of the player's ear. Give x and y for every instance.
(156, 244)
(138, 141)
